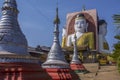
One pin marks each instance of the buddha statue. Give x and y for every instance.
(103, 45)
(85, 39)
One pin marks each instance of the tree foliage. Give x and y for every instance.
(116, 51)
(117, 37)
(116, 18)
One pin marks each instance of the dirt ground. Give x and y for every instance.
(107, 73)
(104, 73)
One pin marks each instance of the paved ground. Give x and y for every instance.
(104, 73)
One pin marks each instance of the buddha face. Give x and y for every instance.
(103, 29)
(80, 25)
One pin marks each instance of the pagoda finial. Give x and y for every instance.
(75, 58)
(83, 8)
(12, 39)
(10, 5)
(12, 1)
(56, 57)
(57, 20)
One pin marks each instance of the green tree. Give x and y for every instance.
(116, 51)
(116, 18)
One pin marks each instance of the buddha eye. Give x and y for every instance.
(76, 22)
(82, 22)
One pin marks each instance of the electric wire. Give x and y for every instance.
(38, 11)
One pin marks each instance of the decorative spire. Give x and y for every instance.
(12, 1)
(83, 8)
(56, 57)
(11, 37)
(57, 20)
(75, 58)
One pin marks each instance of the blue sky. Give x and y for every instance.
(36, 17)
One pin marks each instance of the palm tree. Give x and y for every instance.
(116, 18)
